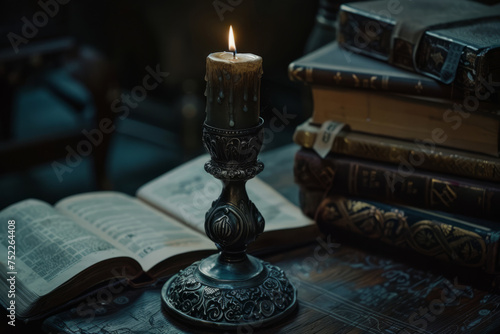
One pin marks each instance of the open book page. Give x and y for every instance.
(140, 231)
(187, 193)
(50, 248)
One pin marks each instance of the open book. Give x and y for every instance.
(83, 240)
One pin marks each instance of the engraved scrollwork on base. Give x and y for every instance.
(186, 296)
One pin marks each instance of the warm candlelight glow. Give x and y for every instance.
(232, 45)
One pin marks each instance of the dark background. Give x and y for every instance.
(164, 130)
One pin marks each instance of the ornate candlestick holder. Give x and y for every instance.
(231, 288)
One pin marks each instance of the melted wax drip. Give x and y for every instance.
(207, 87)
(221, 93)
(227, 76)
(245, 97)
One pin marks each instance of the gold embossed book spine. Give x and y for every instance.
(402, 184)
(459, 241)
(394, 151)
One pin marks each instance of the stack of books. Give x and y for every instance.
(403, 158)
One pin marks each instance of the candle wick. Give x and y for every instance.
(234, 54)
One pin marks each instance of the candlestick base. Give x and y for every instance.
(216, 294)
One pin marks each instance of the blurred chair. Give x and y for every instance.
(81, 64)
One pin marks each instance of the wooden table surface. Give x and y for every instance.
(342, 289)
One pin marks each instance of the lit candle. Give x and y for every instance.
(233, 88)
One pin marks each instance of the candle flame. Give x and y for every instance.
(232, 45)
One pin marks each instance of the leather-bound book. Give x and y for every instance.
(453, 41)
(333, 66)
(458, 240)
(400, 152)
(404, 184)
